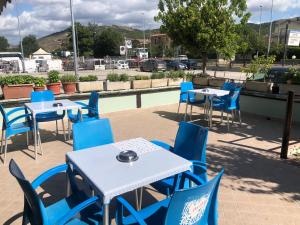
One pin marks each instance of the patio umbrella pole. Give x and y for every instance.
(287, 126)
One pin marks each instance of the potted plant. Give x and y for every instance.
(39, 84)
(159, 80)
(89, 83)
(141, 82)
(175, 78)
(54, 82)
(200, 79)
(69, 83)
(16, 86)
(259, 66)
(117, 82)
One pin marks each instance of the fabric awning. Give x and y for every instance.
(3, 4)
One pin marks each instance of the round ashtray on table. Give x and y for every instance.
(58, 104)
(127, 156)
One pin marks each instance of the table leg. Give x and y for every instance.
(186, 108)
(35, 133)
(141, 198)
(105, 214)
(210, 113)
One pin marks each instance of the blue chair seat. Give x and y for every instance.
(18, 128)
(75, 118)
(48, 117)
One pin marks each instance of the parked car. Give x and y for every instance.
(275, 75)
(121, 64)
(175, 65)
(192, 64)
(153, 65)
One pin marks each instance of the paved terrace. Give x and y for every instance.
(257, 188)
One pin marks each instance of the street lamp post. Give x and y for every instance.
(270, 32)
(144, 32)
(259, 31)
(74, 41)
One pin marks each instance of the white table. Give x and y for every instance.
(110, 178)
(210, 93)
(47, 106)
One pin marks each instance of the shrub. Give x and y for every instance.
(16, 79)
(141, 77)
(159, 75)
(175, 74)
(68, 78)
(53, 76)
(39, 81)
(88, 78)
(123, 77)
(113, 77)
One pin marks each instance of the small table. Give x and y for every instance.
(210, 93)
(47, 106)
(110, 178)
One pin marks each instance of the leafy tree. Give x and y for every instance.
(203, 25)
(30, 45)
(3, 44)
(108, 42)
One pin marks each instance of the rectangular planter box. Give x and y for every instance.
(285, 88)
(175, 82)
(202, 81)
(90, 86)
(159, 83)
(17, 91)
(216, 82)
(141, 84)
(258, 86)
(116, 86)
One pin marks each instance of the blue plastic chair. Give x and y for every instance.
(185, 96)
(187, 206)
(44, 96)
(13, 126)
(230, 104)
(190, 143)
(92, 111)
(92, 133)
(76, 209)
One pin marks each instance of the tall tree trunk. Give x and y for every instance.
(204, 62)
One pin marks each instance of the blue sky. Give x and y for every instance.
(43, 17)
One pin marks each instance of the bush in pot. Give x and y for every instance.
(117, 82)
(53, 82)
(17, 86)
(175, 77)
(159, 80)
(69, 83)
(39, 83)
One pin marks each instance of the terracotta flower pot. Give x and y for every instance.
(36, 88)
(69, 88)
(17, 91)
(55, 87)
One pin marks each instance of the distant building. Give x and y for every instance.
(161, 39)
(280, 31)
(41, 54)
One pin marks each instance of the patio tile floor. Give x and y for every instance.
(258, 188)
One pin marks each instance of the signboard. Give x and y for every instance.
(294, 38)
(128, 44)
(122, 50)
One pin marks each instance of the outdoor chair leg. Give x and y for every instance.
(40, 142)
(191, 114)
(178, 108)
(27, 138)
(240, 117)
(64, 129)
(56, 127)
(5, 151)
(222, 113)
(69, 129)
(232, 116)
(228, 121)
(3, 136)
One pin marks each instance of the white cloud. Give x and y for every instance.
(279, 5)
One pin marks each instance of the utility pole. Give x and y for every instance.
(259, 31)
(144, 32)
(74, 41)
(270, 33)
(19, 28)
(285, 43)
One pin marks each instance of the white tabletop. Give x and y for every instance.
(210, 92)
(111, 178)
(47, 106)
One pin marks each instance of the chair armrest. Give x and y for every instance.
(121, 202)
(85, 106)
(46, 175)
(18, 118)
(15, 110)
(82, 104)
(163, 145)
(189, 176)
(77, 209)
(200, 170)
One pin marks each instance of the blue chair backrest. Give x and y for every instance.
(184, 88)
(33, 206)
(90, 134)
(93, 104)
(4, 116)
(42, 96)
(233, 99)
(190, 142)
(229, 86)
(193, 206)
